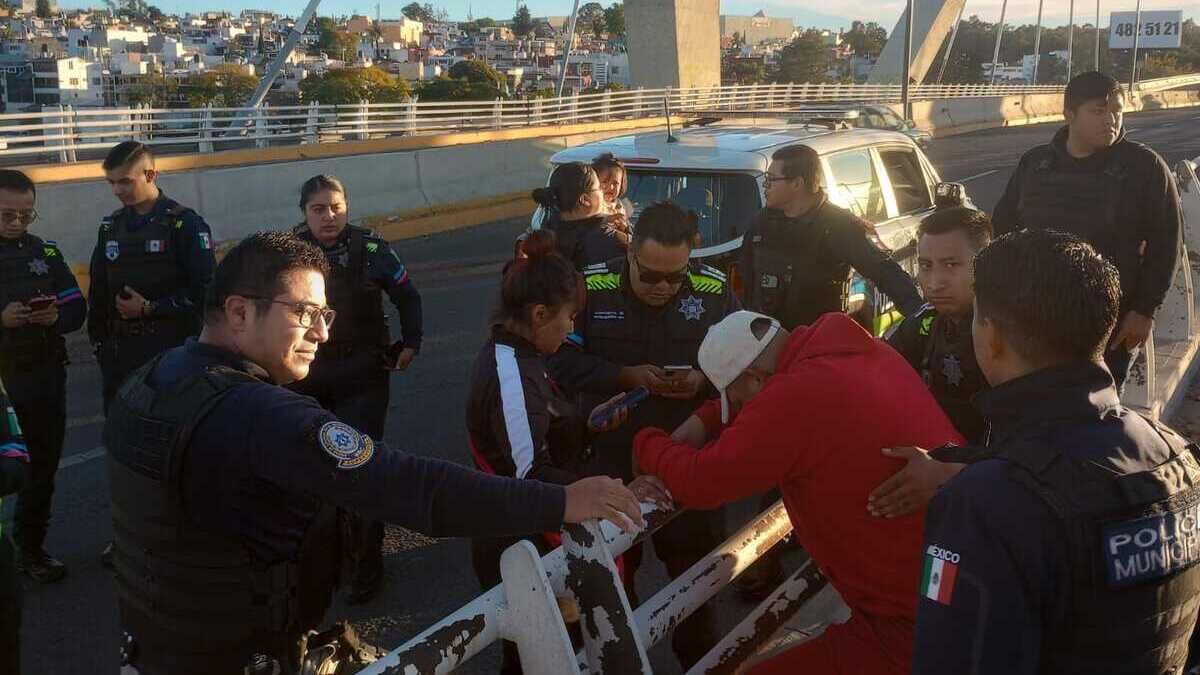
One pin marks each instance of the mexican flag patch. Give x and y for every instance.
(941, 571)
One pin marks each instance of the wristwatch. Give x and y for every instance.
(146, 307)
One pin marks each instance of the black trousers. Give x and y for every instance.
(356, 389)
(10, 609)
(39, 397)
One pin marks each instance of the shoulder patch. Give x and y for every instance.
(49, 249)
(1144, 549)
(372, 247)
(709, 271)
(609, 281)
(706, 284)
(351, 448)
(596, 268)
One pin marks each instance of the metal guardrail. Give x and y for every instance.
(66, 134)
(525, 608)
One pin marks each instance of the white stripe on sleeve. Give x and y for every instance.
(516, 418)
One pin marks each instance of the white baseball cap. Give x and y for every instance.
(729, 348)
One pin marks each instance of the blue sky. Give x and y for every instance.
(833, 13)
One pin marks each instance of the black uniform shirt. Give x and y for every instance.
(262, 461)
(46, 260)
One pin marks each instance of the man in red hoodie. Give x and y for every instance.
(813, 409)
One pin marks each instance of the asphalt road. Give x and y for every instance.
(70, 628)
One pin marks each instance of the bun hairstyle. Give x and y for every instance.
(568, 183)
(538, 275)
(608, 162)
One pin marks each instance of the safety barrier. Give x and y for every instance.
(64, 133)
(525, 607)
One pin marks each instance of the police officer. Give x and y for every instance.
(152, 260)
(350, 375)
(645, 317)
(1117, 195)
(1072, 547)
(41, 301)
(937, 339)
(14, 471)
(225, 485)
(797, 254)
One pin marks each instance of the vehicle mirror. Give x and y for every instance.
(948, 195)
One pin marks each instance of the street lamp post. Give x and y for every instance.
(1071, 40)
(1037, 45)
(999, 35)
(1137, 34)
(904, 75)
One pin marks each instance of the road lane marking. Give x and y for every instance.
(81, 457)
(978, 175)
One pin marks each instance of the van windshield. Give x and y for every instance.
(725, 203)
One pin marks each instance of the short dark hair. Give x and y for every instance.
(318, 183)
(977, 225)
(256, 267)
(667, 223)
(1091, 86)
(16, 181)
(124, 154)
(800, 161)
(568, 183)
(1052, 296)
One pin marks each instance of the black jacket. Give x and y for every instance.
(584, 242)
(796, 269)
(518, 421)
(1144, 205)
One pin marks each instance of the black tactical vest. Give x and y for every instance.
(360, 319)
(145, 260)
(196, 601)
(25, 273)
(797, 278)
(1133, 540)
(1083, 203)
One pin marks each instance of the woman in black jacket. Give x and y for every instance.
(576, 213)
(518, 422)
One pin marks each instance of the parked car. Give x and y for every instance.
(718, 171)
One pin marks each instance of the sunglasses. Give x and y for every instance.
(653, 277)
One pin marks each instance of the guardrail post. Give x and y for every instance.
(69, 131)
(206, 123)
(606, 105)
(260, 126)
(533, 619)
(535, 111)
(61, 143)
(637, 99)
(611, 641)
(363, 121)
(575, 107)
(498, 113)
(410, 115)
(312, 122)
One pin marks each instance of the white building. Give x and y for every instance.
(70, 81)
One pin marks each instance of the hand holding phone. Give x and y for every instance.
(41, 302)
(611, 413)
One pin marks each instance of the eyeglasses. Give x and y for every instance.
(654, 277)
(306, 313)
(773, 178)
(24, 217)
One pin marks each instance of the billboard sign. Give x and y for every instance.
(1160, 30)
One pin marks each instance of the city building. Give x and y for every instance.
(757, 28)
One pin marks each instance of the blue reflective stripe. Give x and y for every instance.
(14, 449)
(70, 291)
(400, 276)
(575, 339)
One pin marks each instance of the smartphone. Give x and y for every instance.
(41, 302)
(631, 399)
(674, 372)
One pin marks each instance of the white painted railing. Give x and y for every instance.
(525, 608)
(65, 134)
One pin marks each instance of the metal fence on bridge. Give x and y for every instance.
(65, 134)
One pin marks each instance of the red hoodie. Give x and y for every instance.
(838, 396)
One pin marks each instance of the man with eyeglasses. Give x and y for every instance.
(797, 255)
(645, 318)
(226, 485)
(40, 302)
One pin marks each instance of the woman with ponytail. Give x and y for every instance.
(575, 212)
(518, 422)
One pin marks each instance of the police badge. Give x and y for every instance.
(38, 267)
(112, 250)
(691, 308)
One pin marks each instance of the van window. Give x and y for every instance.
(725, 203)
(908, 181)
(857, 185)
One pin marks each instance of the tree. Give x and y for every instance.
(614, 20)
(522, 24)
(485, 22)
(746, 71)
(1160, 65)
(448, 89)
(353, 85)
(153, 90)
(866, 39)
(335, 42)
(804, 60)
(477, 71)
(226, 86)
(418, 12)
(42, 9)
